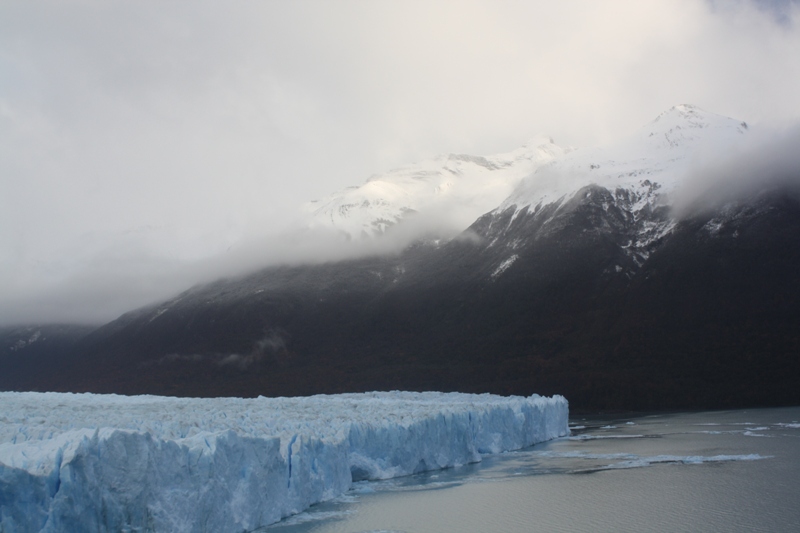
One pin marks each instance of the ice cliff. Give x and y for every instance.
(84, 462)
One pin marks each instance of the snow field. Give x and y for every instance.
(83, 462)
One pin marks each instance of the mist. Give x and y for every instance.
(768, 160)
(145, 148)
(127, 276)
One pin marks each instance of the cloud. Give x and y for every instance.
(203, 128)
(769, 159)
(270, 348)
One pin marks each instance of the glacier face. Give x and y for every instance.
(71, 462)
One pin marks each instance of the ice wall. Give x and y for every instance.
(84, 462)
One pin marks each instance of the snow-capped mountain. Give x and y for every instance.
(661, 152)
(455, 187)
(633, 181)
(641, 171)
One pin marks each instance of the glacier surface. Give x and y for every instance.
(87, 462)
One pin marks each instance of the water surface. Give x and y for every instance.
(711, 471)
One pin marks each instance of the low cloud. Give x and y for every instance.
(104, 283)
(272, 347)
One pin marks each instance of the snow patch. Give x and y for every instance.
(504, 266)
(22, 343)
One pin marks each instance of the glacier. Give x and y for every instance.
(90, 462)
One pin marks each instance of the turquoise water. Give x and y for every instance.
(711, 471)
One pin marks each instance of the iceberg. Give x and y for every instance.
(89, 462)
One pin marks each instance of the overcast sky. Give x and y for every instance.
(139, 137)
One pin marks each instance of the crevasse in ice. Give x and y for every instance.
(85, 462)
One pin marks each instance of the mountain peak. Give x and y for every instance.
(687, 112)
(686, 123)
(683, 110)
(660, 153)
(452, 189)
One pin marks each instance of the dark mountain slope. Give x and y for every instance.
(29, 354)
(590, 298)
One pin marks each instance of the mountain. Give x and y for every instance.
(588, 280)
(453, 188)
(27, 353)
(633, 180)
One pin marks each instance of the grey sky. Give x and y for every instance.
(137, 138)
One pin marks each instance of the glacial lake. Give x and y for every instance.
(718, 471)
